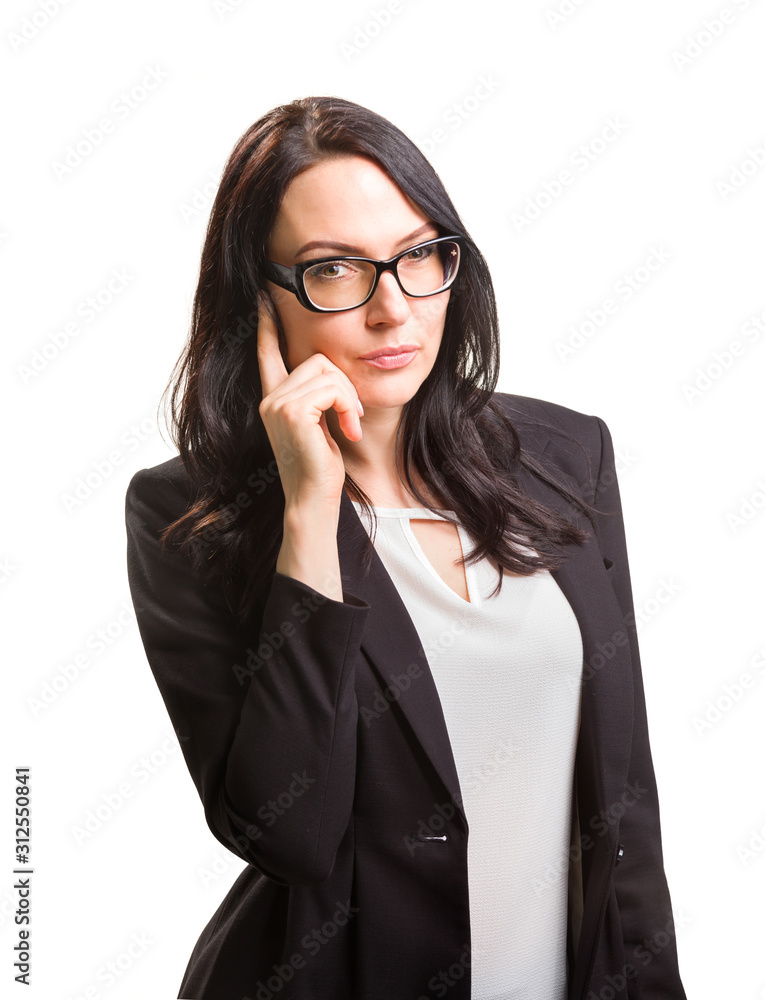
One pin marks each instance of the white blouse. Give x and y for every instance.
(508, 671)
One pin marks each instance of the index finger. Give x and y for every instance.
(270, 361)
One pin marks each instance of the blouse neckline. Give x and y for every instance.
(404, 511)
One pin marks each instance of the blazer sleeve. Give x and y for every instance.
(640, 883)
(266, 714)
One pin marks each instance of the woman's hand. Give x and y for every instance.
(310, 463)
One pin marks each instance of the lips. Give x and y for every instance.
(385, 352)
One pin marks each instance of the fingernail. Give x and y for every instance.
(359, 407)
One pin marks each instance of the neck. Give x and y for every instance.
(375, 452)
(372, 460)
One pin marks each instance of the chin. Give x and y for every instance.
(388, 394)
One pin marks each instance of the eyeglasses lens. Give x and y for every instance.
(344, 283)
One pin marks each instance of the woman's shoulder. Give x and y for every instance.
(165, 490)
(547, 422)
(568, 439)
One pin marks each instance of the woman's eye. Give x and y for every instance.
(331, 269)
(421, 253)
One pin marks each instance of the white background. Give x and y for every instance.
(515, 95)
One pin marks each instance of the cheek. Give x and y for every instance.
(431, 317)
(308, 333)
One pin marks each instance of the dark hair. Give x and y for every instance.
(453, 433)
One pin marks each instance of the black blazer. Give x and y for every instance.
(316, 740)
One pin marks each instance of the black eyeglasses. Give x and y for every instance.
(336, 284)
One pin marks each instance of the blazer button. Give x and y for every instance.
(619, 855)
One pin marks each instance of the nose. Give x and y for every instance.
(388, 304)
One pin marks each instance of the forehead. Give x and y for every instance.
(348, 199)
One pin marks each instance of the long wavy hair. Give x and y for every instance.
(452, 433)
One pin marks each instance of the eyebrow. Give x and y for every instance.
(347, 248)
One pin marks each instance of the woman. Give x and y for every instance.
(388, 607)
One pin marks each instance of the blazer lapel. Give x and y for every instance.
(604, 745)
(392, 643)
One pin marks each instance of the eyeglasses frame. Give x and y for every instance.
(291, 278)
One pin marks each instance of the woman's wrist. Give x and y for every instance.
(309, 549)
